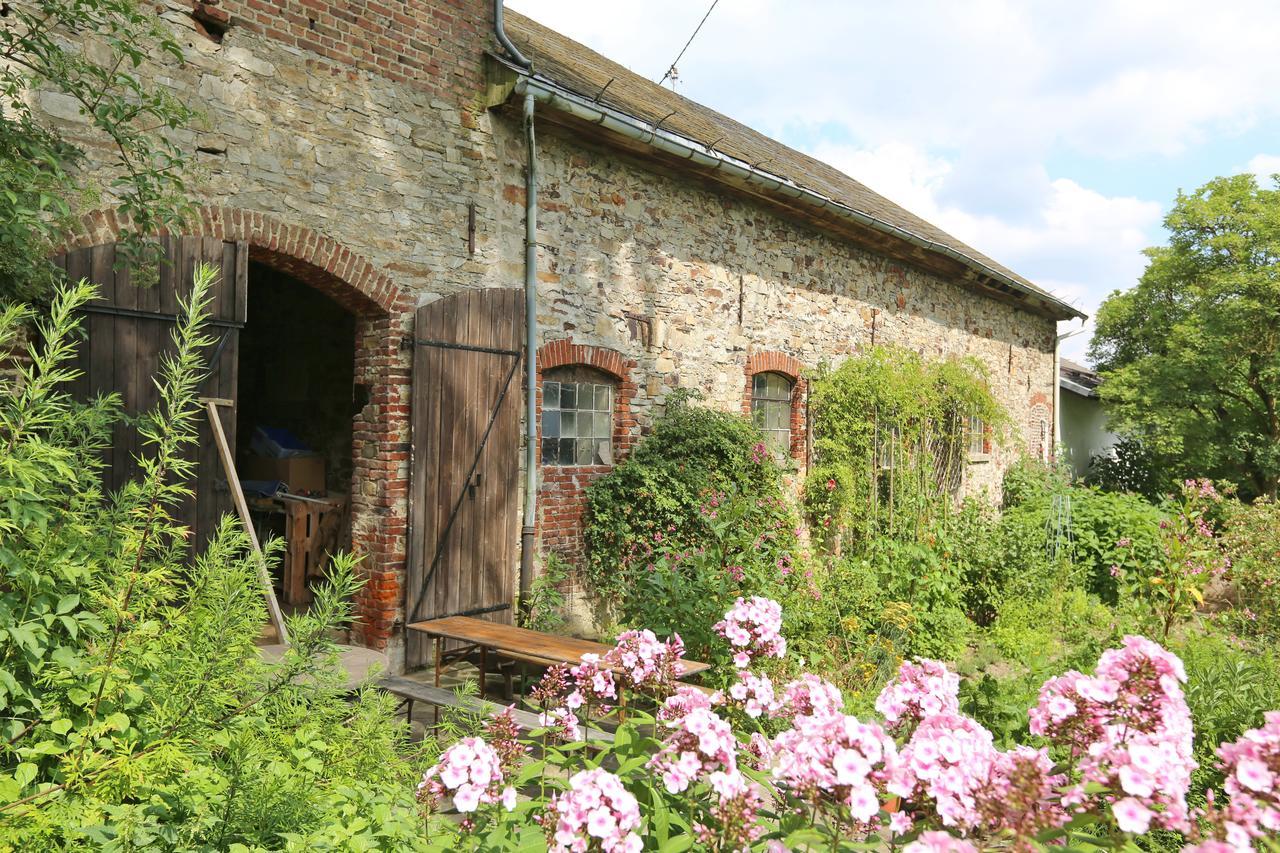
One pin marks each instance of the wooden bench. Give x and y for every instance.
(411, 691)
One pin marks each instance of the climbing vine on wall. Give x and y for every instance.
(891, 438)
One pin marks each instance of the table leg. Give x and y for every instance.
(439, 667)
(484, 668)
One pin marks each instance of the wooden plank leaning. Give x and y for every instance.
(237, 494)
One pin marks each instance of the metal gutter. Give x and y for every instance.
(1076, 388)
(559, 98)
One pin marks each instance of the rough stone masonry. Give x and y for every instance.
(347, 143)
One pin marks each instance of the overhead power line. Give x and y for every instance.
(671, 70)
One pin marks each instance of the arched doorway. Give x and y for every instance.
(368, 318)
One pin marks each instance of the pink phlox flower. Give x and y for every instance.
(597, 812)
(1251, 765)
(644, 662)
(700, 742)
(920, 689)
(808, 696)
(470, 772)
(753, 627)
(752, 693)
(837, 758)
(948, 760)
(1129, 728)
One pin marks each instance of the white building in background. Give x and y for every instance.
(1084, 424)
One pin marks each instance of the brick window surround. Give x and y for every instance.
(792, 368)
(562, 488)
(380, 433)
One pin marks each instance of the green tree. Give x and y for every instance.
(1191, 355)
(83, 56)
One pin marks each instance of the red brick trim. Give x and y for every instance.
(380, 433)
(562, 497)
(792, 368)
(324, 263)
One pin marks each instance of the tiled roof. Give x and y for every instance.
(587, 73)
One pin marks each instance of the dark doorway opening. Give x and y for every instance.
(296, 401)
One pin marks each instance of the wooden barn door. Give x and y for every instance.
(129, 329)
(464, 484)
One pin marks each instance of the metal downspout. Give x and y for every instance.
(500, 30)
(529, 532)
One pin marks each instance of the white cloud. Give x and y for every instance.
(1264, 166)
(959, 111)
(1072, 240)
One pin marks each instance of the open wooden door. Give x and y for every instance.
(464, 482)
(129, 329)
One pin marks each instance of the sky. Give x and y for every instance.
(1051, 136)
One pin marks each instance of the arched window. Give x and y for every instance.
(577, 416)
(771, 408)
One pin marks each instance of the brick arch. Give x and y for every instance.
(380, 431)
(347, 277)
(771, 361)
(562, 489)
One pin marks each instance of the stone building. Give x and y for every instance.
(364, 167)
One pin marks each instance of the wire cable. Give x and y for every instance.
(672, 69)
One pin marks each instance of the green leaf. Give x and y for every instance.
(24, 773)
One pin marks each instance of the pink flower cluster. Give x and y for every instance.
(471, 772)
(921, 689)
(947, 762)
(700, 743)
(752, 693)
(836, 757)
(1128, 729)
(754, 630)
(593, 684)
(596, 813)
(939, 842)
(646, 663)
(808, 696)
(737, 803)
(949, 766)
(1252, 768)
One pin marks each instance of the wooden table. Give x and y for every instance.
(517, 644)
(314, 531)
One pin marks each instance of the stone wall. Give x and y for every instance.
(698, 287)
(347, 145)
(344, 143)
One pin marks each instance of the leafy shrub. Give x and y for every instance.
(747, 549)
(656, 496)
(1033, 637)
(1251, 538)
(1127, 467)
(1171, 588)
(544, 608)
(135, 709)
(1095, 531)
(1030, 479)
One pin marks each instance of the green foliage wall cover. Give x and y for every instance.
(889, 430)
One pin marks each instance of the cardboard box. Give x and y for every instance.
(302, 474)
